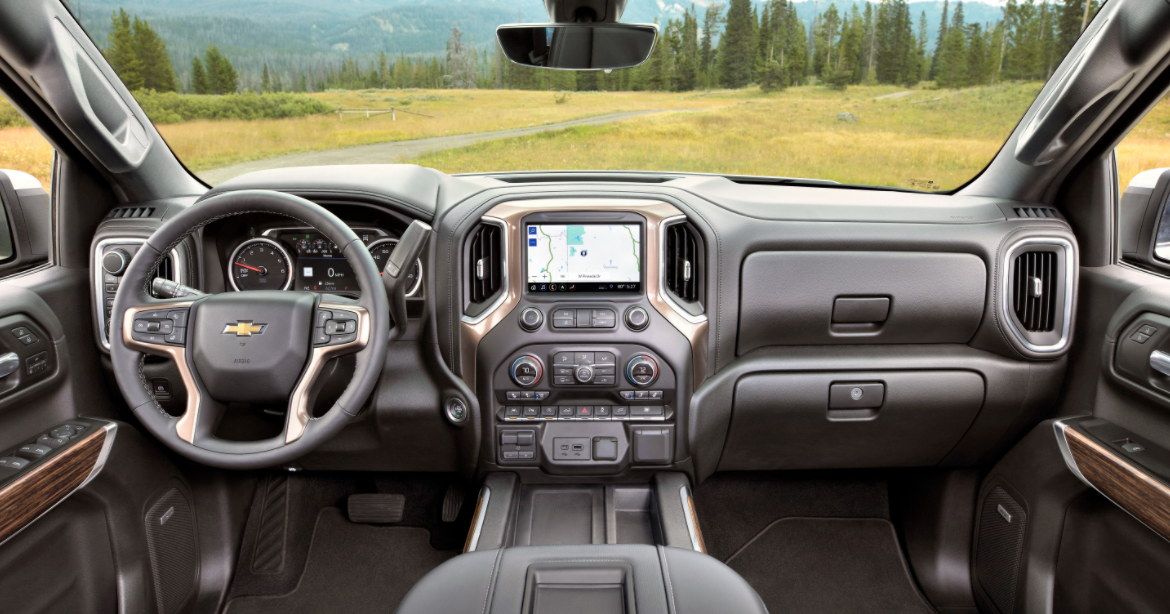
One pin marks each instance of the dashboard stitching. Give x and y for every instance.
(149, 391)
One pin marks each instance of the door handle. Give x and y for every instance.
(1160, 362)
(9, 363)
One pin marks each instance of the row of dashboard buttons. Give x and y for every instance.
(527, 395)
(652, 395)
(584, 318)
(585, 412)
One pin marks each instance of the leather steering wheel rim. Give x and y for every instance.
(198, 443)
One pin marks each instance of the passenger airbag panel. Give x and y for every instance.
(783, 420)
(816, 298)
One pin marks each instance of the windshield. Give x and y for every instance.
(917, 95)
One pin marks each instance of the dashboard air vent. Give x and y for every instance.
(1042, 212)
(485, 263)
(130, 212)
(1034, 284)
(683, 262)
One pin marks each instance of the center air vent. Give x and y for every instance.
(485, 263)
(683, 262)
(1034, 280)
(1041, 212)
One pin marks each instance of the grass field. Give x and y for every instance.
(927, 139)
(216, 143)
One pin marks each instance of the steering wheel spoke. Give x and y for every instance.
(338, 329)
(160, 328)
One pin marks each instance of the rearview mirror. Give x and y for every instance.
(601, 46)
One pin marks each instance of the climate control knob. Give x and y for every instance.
(583, 373)
(527, 370)
(642, 370)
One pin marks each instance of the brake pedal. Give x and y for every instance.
(376, 508)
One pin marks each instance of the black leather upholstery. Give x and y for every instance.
(665, 581)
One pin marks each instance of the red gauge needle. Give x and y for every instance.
(252, 268)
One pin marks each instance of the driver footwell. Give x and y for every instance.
(302, 554)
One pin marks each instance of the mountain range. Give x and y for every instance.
(288, 33)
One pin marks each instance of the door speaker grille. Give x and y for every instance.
(1002, 523)
(174, 557)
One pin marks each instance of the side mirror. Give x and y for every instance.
(585, 46)
(25, 221)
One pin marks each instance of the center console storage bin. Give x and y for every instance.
(816, 298)
(784, 420)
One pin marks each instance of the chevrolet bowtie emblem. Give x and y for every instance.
(244, 328)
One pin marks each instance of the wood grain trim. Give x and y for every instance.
(1129, 487)
(474, 522)
(43, 486)
(695, 519)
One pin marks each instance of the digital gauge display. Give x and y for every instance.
(320, 266)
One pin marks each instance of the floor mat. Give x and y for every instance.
(272, 563)
(829, 565)
(352, 568)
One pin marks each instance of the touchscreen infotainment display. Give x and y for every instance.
(584, 257)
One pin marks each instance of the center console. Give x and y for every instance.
(582, 368)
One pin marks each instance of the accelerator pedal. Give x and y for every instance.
(376, 508)
(452, 502)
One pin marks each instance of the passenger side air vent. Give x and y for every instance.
(1040, 212)
(682, 265)
(1038, 281)
(1034, 280)
(130, 212)
(485, 258)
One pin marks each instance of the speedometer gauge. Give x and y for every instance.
(260, 264)
(381, 250)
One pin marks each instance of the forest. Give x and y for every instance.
(726, 46)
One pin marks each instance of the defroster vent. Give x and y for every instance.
(683, 262)
(1034, 284)
(485, 263)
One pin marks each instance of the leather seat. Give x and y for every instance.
(660, 580)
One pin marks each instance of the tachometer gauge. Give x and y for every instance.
(381, 250)
(260, 264)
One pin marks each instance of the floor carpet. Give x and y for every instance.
(851, 565)
(352, 568)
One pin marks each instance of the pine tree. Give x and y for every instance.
(736, 47)
(222, 77)
(952, 60)
(265, 83)
(199, 81)
(122, 53)
(158, 73)
(938, 45)
(924, 63)
(712, 20)
(977, 57)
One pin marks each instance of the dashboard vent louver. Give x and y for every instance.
(683, 262)
(130, 212)
(485, 260)
(1037, 212)
(1034, 284)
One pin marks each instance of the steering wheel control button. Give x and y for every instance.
(456, 410)
(179, 317)
(531, 318)
(637, 318)
(114, 261)
(642, 370)
(584, 374)
(526, 371)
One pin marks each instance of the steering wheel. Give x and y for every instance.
(266, 346)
